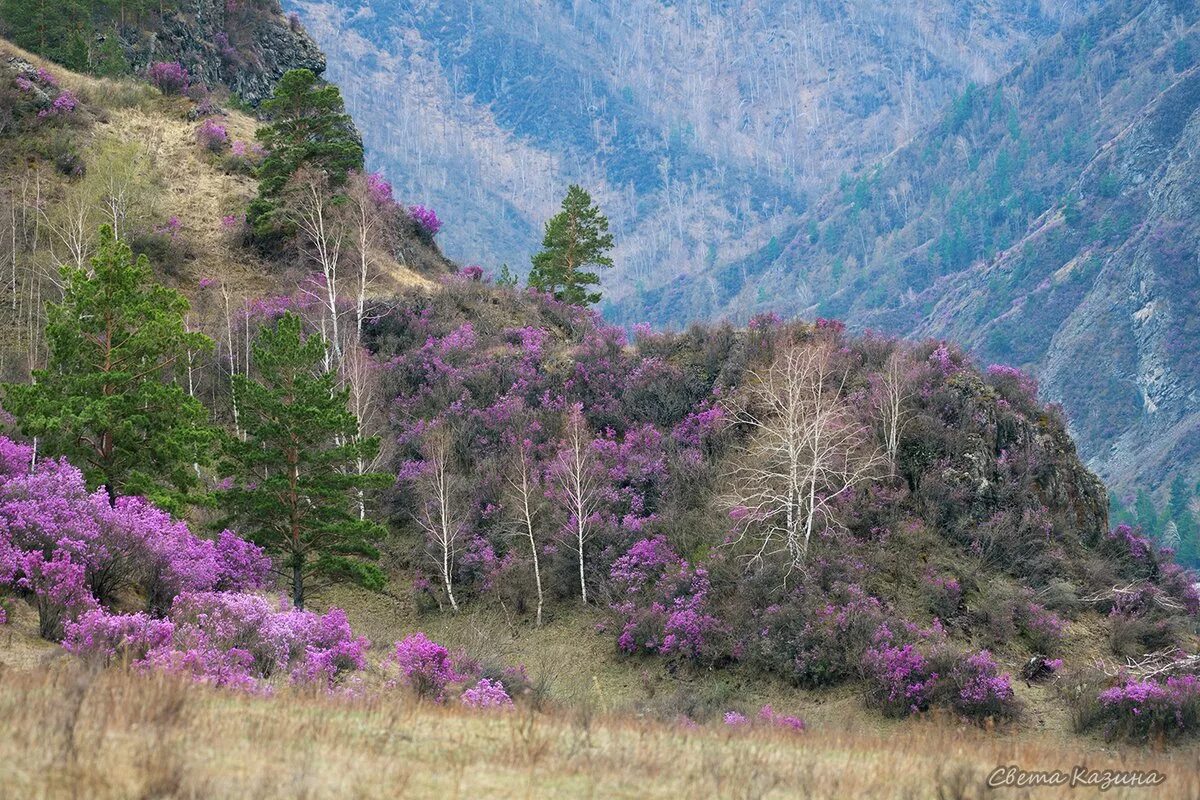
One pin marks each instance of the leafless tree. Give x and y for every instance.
(891, 394)
(576, 487)
(440, 516)
(528, 505)
(806, 449)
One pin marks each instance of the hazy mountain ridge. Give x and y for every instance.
(1031, 223)
(702, 129)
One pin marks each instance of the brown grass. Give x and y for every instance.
(72, 732)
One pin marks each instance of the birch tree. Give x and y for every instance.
(440, 515)
(806, 450)
(528, 505)
(576, 489)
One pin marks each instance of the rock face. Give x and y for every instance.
(244, 45)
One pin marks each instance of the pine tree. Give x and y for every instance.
(295, 489)
(576, 238)
(309, 128)
(108, 399)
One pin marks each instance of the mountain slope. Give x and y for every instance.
(701, 128)
(1045, 221)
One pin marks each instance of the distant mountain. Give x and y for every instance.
(702, 128)
(1048, 220)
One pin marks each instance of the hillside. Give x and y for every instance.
(1043, 221)
(286, 474)
(703, 129)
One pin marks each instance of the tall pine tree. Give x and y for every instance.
(295, 489)
(576, 239)
(108, 398)
(308, 127)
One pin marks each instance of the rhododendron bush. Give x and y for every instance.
(70, 551)
(227, 639)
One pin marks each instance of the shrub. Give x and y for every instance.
(978, 690)
(1143, 709)
(768, 716)
(226, 639)
(212, 136)
(169, 76)
(486, 694)
(666, 605)
(426, 666)
(426, 219)
(899, 678)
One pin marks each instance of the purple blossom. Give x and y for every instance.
(426, 219)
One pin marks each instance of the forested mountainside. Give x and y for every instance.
(703, 128)
(1046, 220)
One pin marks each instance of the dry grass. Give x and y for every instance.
(72, 732)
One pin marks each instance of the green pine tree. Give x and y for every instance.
(108, 399)
(295, 488)
(576, 238)
(308, 127)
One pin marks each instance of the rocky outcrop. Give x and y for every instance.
(243, 45)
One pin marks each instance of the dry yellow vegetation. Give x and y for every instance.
(70, 731)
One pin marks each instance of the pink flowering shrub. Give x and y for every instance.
(69, 551)
(486, 694)
(1151, 708)
(426, 219)
(65, 103)
(769, 716)
(425, 666)
(169, 76)
(979, 690)
(735, 719)
(226, 639)
(665, 602)
(212, 136)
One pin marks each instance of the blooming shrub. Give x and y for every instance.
(769, 716)
(169, 76)
(426, 666)
(900, 679)
(979, 690)
(486, 694)
(666, 602)
(736, 719)
(1043, 629)
(1143, 709)
(72, 551)
(426, 219)
(212, 136)
(65, 103)
(226, 639)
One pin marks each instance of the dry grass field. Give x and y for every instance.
(73, 732)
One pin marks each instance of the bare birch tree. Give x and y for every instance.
(528, 506)
(440, 516)
(892, 391)
(577, 487)
(806, 450)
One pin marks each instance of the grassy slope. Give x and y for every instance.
(195, 188)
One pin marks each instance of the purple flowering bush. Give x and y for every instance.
(486, 694)
(71, 551)
(226, 639)
(212, 136)
(426, 219)
(665, 602)
(169, 76)
(426, 667)
(1145, 709)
